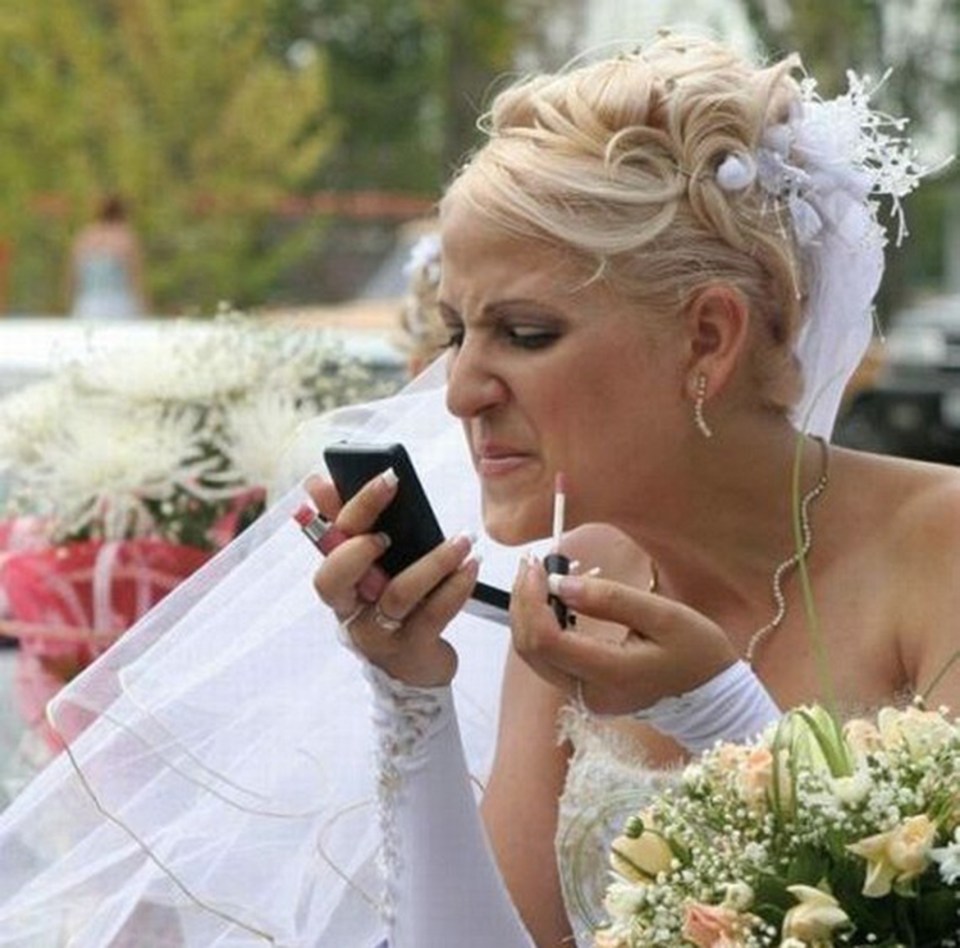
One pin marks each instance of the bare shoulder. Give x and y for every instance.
(913, 500)
(911, 509)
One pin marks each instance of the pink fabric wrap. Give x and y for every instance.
(68, 603)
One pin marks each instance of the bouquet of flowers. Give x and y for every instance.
(813, 835)
(130, 467)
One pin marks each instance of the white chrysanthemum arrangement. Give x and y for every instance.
(814, 835)
(164, 437)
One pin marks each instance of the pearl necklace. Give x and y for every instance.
(789, 564)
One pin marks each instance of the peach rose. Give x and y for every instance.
(862, 738)
(899, 855)
(757, 774)
(712, 926)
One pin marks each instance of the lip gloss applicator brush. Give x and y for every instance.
(555, 562)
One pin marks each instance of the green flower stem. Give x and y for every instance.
(806, 589)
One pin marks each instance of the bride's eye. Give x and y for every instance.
(454, 337)
(531, 337)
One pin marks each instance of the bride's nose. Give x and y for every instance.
(472, 384)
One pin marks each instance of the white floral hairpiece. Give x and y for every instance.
(831, 164)
(425, 258)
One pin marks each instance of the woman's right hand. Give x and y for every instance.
(630, 647)
(401, 632)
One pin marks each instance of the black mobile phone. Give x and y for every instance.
(409, 521)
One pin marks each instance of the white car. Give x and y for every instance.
(34, 347)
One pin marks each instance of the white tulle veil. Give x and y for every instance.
(222, 791)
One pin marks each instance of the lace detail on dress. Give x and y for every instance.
(606, 782)
(405, 718)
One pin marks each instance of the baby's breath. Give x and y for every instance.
(831, 847)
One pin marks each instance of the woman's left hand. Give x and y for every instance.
(402, 632)
(629, 649)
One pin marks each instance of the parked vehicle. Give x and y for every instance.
(912, 406)
(33, 347)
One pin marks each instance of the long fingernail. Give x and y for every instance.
(389, 477)
(566, 588)
(464, 540)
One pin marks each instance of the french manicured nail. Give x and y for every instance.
(563, 587)
(389, 477)
(473, 560)
(385, 540)
(464, 540)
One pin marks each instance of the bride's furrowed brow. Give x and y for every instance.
(499, 309)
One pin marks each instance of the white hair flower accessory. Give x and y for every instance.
(737, 171)
(830, 165)
(425, 258)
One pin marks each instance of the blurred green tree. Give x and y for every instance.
(408, 78)
(183, 108)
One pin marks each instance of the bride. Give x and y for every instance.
(656, 274)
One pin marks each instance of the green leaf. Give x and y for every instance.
(936, 916)
(809, 867)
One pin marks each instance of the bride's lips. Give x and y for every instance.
(496, 461)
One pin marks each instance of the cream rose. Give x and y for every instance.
(641, 857)
(899, 855)
(923, 732)
(813, 919)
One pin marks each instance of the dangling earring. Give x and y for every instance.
(700, 398)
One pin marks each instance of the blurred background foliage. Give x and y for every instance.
(176, 105)
(222, 122)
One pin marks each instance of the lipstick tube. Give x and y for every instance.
(326, 536)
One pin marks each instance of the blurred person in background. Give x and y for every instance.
(105, 279)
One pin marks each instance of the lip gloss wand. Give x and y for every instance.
(555, 562)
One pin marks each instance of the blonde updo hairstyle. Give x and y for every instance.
(616, 162)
